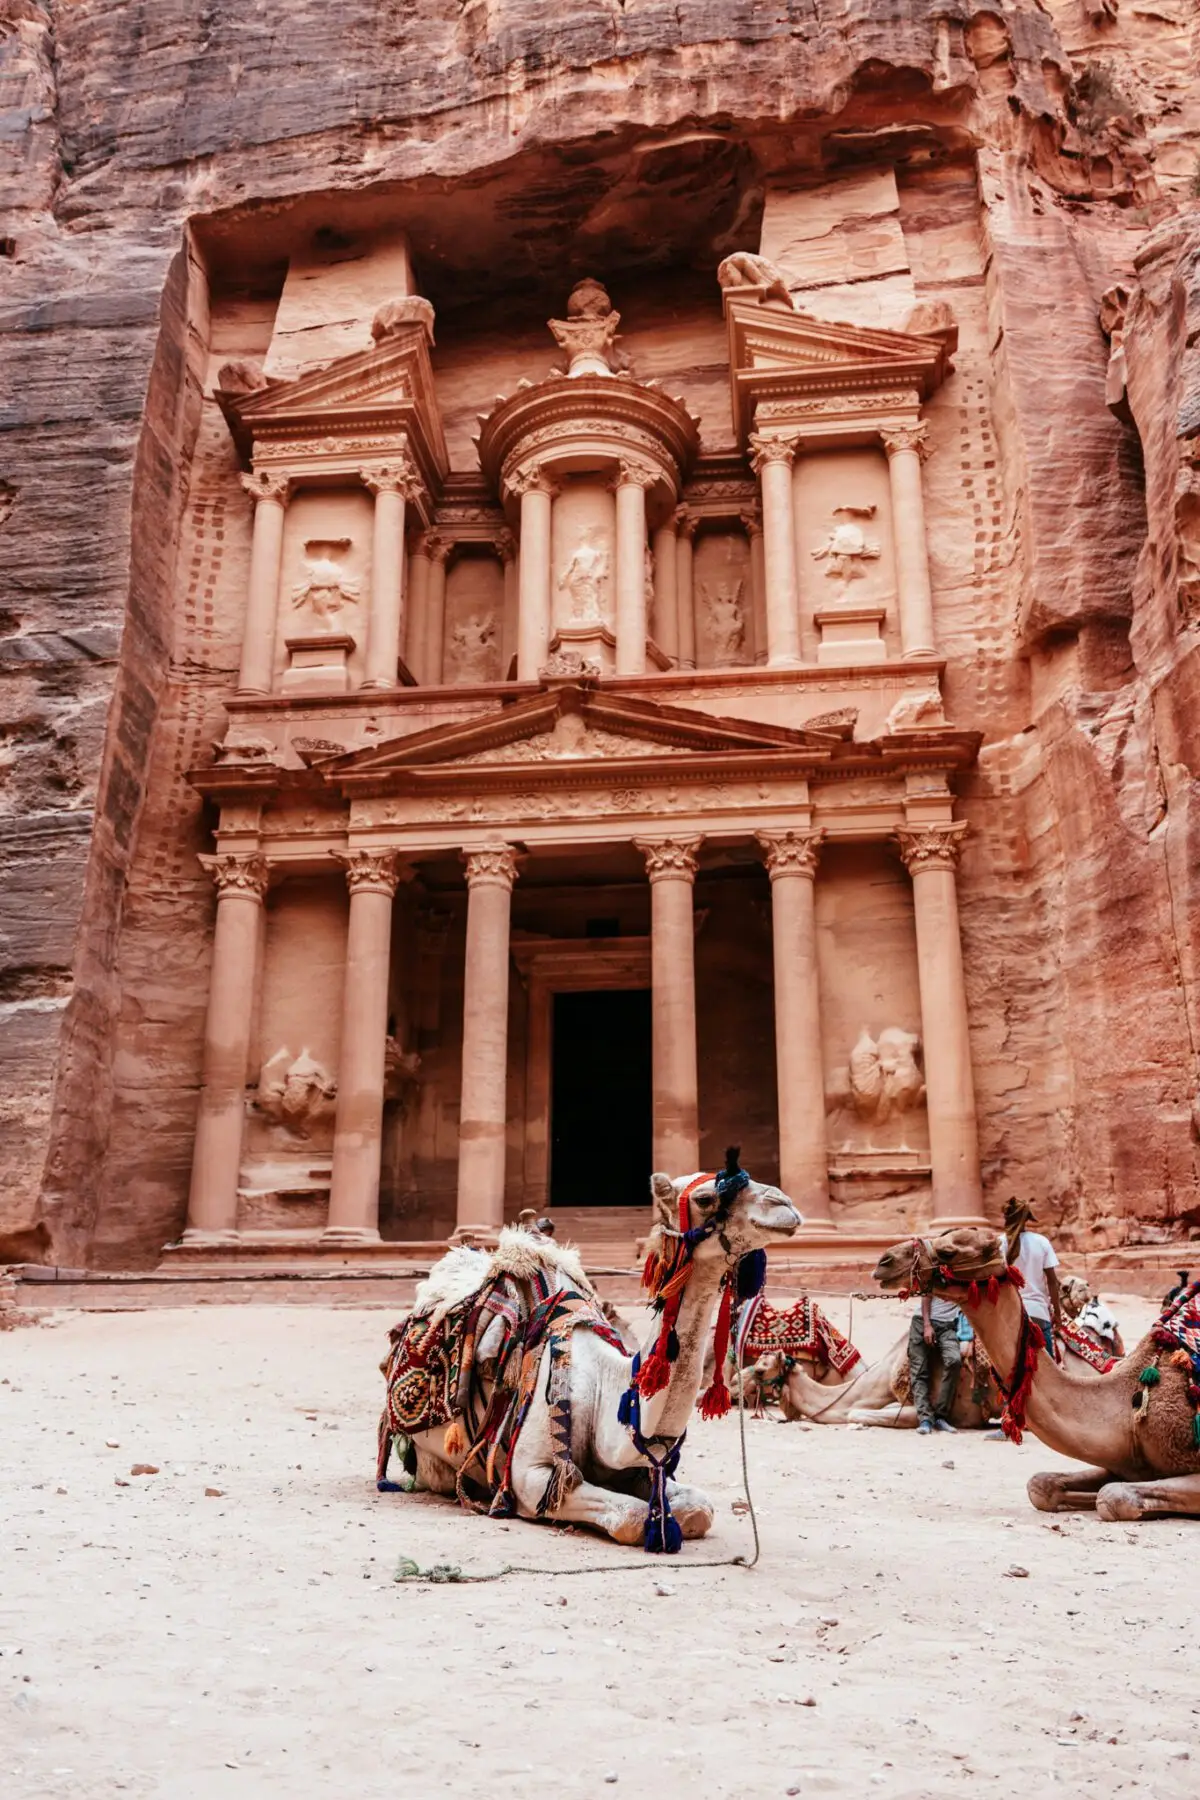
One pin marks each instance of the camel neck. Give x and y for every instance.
(666, 1414)
(1076, 1415)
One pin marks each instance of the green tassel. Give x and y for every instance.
(1150, 1376)
(1196, 1429)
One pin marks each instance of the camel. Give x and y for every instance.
(1133, 1429)
(879, 1394)
(617, 1479)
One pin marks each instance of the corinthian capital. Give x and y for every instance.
(396, 477)
(775, 448)
(505, 545)
(238, 872)
(669, 859)
(370, 871)
(533, 479)
(687, 523)
(907, 437)
(631, 473)
(931, 846)
(791, 852)
(436, 546)
(268, 484)
(494, 865)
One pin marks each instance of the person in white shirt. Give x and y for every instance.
(1034, 1255)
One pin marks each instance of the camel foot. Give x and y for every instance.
(1076, 1491)
(1122, 1501)
(1176, 1496)
(693, 1510)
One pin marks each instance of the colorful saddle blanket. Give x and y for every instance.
(435, 1377)
(801, 1331)
(1082, 1346)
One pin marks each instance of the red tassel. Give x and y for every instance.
(655, 1372)
(1015, 1276)
(648, 1271)
(993, 1291)
(973, 1294)
(715, 1401)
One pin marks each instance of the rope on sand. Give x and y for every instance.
(450, 1574)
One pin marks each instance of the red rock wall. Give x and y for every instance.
(1077, 132)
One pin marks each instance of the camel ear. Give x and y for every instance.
(662, 1199)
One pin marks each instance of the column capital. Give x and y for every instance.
(896, 438)
(505, 544)
(791, 852)
(533, 479)
(437, 546)
(370, 871)
(238, 872)
(492, 865)
(931, 846)
(687, 523)
(772, 447)
(669, 859)
(396, 477)
(268, 484)
(752, 521)
(632, 473)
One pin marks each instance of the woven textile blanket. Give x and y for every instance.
(801, 1331)
(1081, 1345)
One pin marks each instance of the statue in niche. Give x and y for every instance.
(583, 581)
(325, 588)
(471, 645)
(883, 1077)
(847, 548)
(401, 1071)
(589, 331)
(297, 1093)
(726, 621)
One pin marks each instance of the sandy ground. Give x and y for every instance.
(160, 1641)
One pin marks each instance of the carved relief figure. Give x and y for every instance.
(916, 712)
(584, 581)
(401, 1075)
(296, 1092)
(325, 588)
(847, 548)
(726, 621)
(746, 270)
(883, 1076)
(472, 644)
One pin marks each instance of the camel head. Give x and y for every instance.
(968, 1254)
(735, 1214)
(1075, 1294)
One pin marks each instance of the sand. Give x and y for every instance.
(158, 1640)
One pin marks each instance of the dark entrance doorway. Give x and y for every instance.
(600, 1101)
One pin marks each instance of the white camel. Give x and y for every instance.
(612, 1496)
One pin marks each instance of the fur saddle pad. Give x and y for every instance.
(800, 1331)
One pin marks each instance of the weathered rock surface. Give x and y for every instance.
(1040, 156)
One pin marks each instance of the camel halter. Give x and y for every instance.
(927, 1276)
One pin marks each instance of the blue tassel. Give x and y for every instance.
(751, 1274)
(627, 1408)
(389, 1487)
(672, 1346)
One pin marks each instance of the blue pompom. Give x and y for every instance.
(751, 1274)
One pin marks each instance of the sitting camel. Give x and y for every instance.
(1136, 1427)
(881, 1394)
(608, 1471)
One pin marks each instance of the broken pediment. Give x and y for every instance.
(792, 362)
(373, 404)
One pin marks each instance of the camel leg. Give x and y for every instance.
(618, 1516)
(1130, 1500)
(692, 1508)
(1075, 1491)
(903, 1418)
(433, 1475)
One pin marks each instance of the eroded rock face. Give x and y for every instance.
(997, 163)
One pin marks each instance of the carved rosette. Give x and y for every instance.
(773, 448)
(242, 873)
(669, 859)
(791, 852)
(907, 437)
(396, 477)
(268, 484)
(926, 847)
(370, 871)
(495, 865)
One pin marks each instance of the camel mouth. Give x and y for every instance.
(887, 1274)
(786, 1225)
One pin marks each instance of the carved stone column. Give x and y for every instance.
(772, 458)
(371, 876)
(685, 596)
(437, 549)
(633, 479)
(907, 448)
(217, 1155)
(392, 484)
(506, 550)
(753, 526)
(483, 1115)
(537, 493)
(416, 612)
(666, 591)
(270, 493)
(671, 866)
(791, 859)
(931, 855)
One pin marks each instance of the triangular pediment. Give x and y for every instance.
(385, 391)
(567, 727)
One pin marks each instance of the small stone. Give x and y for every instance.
(60, 1490)
(947, 1465)
(121, 1481)
(1016, 1572)
(144, 1469)
(611, 1776)
(827, 1620)
(663, 1591)
(807, 1700)
(214, 1493)
(111, 1444)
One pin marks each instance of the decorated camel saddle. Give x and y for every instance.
(510, 1392)
(798, 1333)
